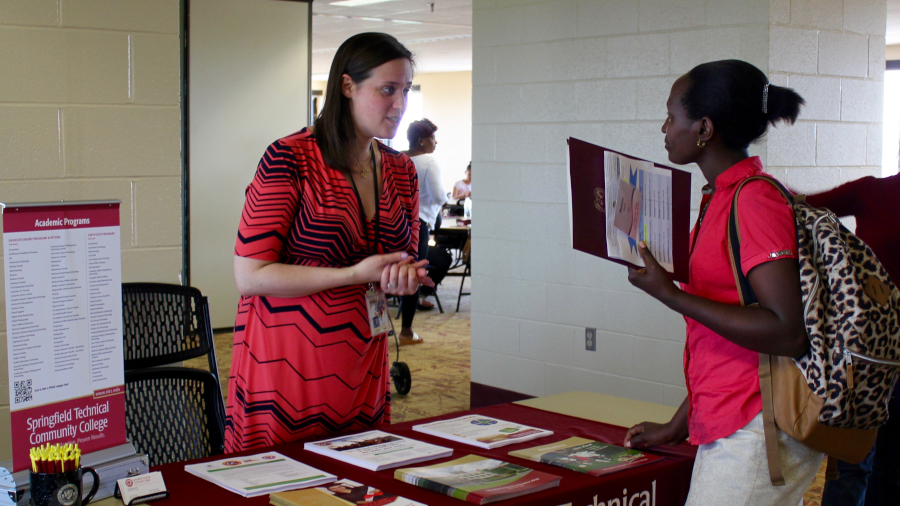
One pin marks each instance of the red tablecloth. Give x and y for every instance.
(660, 483)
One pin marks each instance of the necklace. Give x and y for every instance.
(362, 166)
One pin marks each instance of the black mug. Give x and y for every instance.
(61, 489)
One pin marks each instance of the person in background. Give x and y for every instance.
(714, 112)
(431, 198)
(876, 205)
(463, 188)
(330, 225)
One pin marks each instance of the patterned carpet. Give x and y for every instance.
(439, 367)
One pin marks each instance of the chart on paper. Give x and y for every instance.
(651, 220)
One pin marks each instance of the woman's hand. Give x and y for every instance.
(370, 269)
(652, 279)
(647, 434)
(404, 277)
(275, 279)
(650, 434)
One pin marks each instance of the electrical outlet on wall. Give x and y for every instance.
(590, 339)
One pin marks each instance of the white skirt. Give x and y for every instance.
(734, 471)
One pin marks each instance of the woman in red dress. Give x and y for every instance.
(330, 220)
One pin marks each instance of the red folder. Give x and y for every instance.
(588, 206)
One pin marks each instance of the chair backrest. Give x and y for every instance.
(164, 324)
(174, 413)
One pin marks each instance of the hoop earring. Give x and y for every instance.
(701, 144)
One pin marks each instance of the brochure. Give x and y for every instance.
(260, 474)
(617, 200)
(478, 480)
(586, 456)
(340, 493)
(376, 450)
(482, 431)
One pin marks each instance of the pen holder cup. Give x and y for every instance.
(61, 489)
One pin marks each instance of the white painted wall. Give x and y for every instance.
(601, 71)
(90, 108)
(833, 54)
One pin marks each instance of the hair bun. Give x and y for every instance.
(783, 105)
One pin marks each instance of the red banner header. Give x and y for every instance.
(40, 218)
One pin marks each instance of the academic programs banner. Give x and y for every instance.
(63, 271)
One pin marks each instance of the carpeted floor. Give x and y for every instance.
(439, 367)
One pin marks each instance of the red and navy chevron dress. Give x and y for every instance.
(309, 366)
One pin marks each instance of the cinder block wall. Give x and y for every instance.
(601, 71)
(90, 108)
(833, 53)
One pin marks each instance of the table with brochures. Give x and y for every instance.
(661, 483)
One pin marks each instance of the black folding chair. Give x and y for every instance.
(466, 256)
(164, 324)
(172, 413)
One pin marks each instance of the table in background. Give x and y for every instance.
(668, 479)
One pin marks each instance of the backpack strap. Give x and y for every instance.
(773, 454)
(748, 298)
(745, 291)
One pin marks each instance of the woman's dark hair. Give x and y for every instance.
(357, 56)
(730, 93)
(421, 129)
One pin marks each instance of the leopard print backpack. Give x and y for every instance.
(834, 398)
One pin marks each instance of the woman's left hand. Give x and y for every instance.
(652, 279)
(404, 278)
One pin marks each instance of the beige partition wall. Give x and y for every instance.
(90, 109)
(248, 81)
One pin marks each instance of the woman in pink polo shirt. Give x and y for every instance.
(714, 112)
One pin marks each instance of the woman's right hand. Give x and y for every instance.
(647, 434)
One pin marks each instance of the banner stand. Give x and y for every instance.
(63, 272)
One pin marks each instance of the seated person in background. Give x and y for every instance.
(463, 187)
(875, 205)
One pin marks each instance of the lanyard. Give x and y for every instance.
(362, 211)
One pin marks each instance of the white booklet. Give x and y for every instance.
(482, 431)
(376, 450)
(260, 474)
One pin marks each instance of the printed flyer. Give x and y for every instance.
(477, 479)
(376, 450)
(63, 272)
(482, 431)
(586, 456)
(260, 474)
(340, 493)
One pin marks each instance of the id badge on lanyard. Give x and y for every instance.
(376, 303)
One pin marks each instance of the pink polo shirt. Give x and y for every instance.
(723, 378)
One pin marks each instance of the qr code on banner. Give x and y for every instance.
(23, 391)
